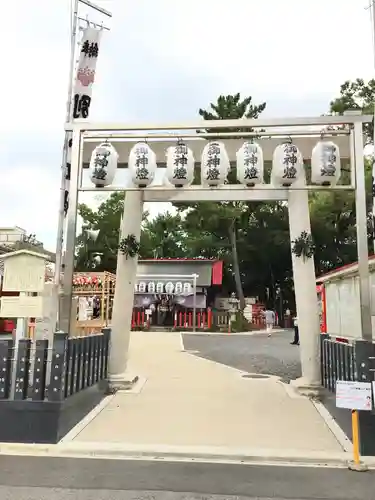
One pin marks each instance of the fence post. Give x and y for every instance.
(364, 352)
(6, 355)
(323, 359)
(106, 341)
(56, 389)
(22, 369)
(40, 370)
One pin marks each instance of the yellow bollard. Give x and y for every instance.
(355, 434)
(356, 464)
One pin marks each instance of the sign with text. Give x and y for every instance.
(21, 307)
(24, 273)
(354, 395)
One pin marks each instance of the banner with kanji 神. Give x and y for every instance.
(82, 91)
(88, 56)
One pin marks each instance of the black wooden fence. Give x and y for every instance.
(76, 364)
(45, 391)
(337, 361)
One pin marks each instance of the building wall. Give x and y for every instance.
(10, 235)
(343, 306)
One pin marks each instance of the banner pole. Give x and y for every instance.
(64, 173)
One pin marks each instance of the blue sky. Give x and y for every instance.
(161, 61)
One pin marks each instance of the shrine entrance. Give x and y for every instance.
(274, 160)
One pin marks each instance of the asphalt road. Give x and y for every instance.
(250, 353)
(32, 478)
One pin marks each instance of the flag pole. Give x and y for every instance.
(61, 219)
(65, 173)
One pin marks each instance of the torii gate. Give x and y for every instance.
(304, 133)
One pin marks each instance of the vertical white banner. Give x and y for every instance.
(82, 90)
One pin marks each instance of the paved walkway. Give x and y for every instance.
(189, 401)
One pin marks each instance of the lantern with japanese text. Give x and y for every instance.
(142, 287)
(187, 288)
(250, 166)
(287, 165)
(103, 165)
(215, 164)
(178, 288)
(151, 287)
(169, 287)
(159, 287)
(142, 164)
(325, 164)
(180, 165)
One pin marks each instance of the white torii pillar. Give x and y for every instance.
(306, 298)
(119, 377)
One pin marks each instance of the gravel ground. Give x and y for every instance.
(250, 353)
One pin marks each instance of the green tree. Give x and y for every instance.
(357, 95)
(106, 219)
(333, 225)
(219, 224)
(163, 237)
(160, 237)
(232, 107)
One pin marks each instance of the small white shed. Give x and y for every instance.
(341, 300)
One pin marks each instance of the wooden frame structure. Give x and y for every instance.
(93, 284)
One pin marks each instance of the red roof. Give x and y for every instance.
(342, 270)
(217, 266)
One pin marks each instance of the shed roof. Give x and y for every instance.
(344, 271)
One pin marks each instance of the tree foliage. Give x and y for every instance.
(357, 95)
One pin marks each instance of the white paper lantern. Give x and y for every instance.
(250, 165)
(215, 164)
(169, 287)
(136, 288)
(178, 288)
(103, 165)
(180, 165)
(187, 288)
(142, 287)
(159, 287)
(325, 163)
(151, 287)
(142, 164)
(287, 165)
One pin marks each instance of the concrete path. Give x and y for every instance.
(187, 401)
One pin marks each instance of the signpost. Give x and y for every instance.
(354, 396)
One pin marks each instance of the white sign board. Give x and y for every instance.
(354, 395)
(24, 273)
(21, 307)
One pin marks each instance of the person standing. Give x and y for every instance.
(269, 316)
(296, 331)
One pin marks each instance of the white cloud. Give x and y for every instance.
(161, 61)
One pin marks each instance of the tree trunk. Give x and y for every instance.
(236, 266)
